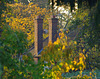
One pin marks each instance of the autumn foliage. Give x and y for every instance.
(22, 16)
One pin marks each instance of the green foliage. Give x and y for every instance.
(11, 43)
(87, 33)
(85, 21)
(16, 65)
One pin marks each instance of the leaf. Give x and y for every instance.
(16, 0)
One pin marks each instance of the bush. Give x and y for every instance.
(62, 58)
(15, 64)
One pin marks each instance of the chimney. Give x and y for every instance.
(38, 36)
(53, 22)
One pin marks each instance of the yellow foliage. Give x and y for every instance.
(5, 68)
(63, 47)
(22, 18)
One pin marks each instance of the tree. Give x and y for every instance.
(72, 2)
(3, 7)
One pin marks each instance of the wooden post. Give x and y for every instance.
(38, 36)
(53, 22)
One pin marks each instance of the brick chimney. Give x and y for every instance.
(53, 22)
(38, 36)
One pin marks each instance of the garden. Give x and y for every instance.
(74, 55)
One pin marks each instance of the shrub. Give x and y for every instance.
(15, 64)
(62, 57)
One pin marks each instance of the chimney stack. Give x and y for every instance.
(38, 36)
(53, 22)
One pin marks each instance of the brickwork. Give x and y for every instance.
(38, 36)
(53, 28)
